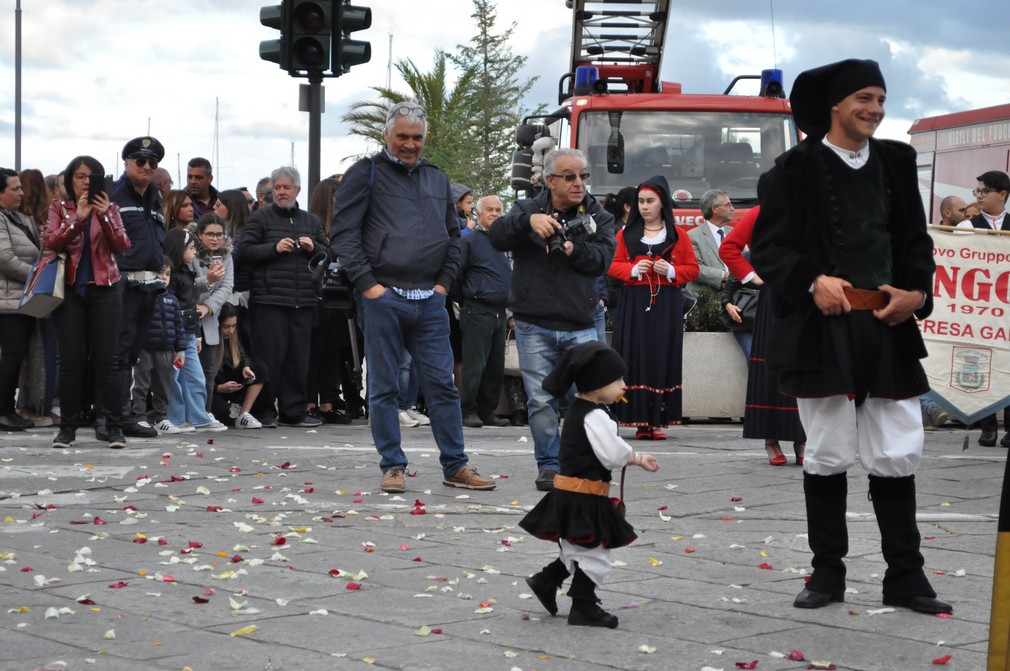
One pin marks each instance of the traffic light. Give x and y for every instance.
(311, 23)
(348, 52)
(275, 51)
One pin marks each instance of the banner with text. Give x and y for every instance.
(968, 333)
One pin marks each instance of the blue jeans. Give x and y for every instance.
(539, 351)
(601, 325)
(744, 339)
(409, 383)
(187, 396)
(391, 324)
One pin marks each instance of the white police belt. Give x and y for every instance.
(142, 276)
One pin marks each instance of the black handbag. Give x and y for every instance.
(747, 301)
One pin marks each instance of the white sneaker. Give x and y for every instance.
(213, 426)
(186, 427)
(165, 426)
(407, 421)
(422, 419)
(247, 421)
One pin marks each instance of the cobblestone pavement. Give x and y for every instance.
(275, 549)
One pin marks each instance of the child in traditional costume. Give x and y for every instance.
(578, 513)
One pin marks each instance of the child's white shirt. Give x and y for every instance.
(612, 450)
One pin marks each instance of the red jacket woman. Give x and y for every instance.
(654, 260)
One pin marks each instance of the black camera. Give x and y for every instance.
(335, 287)
(574, 229)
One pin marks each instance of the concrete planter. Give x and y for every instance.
(715, 376)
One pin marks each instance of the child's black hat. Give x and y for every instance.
(588, 366)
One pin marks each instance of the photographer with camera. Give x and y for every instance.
(279, 241)
(562, 242)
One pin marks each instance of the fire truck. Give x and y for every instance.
(631, 125)
(954, 149)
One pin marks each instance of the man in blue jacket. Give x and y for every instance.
(396, 233)
(484, 276)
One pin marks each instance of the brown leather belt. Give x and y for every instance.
(864, 299)
(581, 485)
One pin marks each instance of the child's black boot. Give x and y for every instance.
(586, 611)
(546, 583)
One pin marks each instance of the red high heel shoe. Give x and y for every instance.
(659, 435)
(644, 433)
(775, 456)
(800, 449)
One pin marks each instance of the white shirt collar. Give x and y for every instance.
(853, 159)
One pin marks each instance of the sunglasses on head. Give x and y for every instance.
(142, 161)
(405, 110)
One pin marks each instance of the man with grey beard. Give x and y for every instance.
(279, 241)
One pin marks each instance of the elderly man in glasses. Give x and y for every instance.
(554, 293)
(991, 196)
(395, 232)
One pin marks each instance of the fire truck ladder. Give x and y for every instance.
(623, 41)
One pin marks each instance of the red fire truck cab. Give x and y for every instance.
(632, 126)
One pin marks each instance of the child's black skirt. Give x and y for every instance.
(581, 519)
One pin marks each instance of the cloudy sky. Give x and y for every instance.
(99, 72)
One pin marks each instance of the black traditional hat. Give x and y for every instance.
(588, 366)
(815, 91)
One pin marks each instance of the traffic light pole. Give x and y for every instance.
(315, 128)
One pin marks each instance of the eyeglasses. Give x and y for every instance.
(982, 193)
(571, 177)
(212, 235)
(141, 162)
(405, 109)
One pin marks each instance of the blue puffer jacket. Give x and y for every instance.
(166, 332)
(145, 226)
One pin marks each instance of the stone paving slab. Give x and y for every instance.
(283, 522)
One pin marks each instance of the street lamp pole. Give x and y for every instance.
(17, 86)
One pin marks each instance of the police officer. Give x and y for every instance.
(139, 202)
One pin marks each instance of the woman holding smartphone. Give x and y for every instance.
(215, 278)
(88, 228)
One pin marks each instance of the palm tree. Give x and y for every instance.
(444, 109)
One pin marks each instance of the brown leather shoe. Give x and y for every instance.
(394, 480)
(468, 478)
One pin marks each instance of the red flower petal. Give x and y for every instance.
(308, 490)
(162, 541)
(257, 500)
(99, 521)
(334, 572)
(943, 660)
(353, 586)
(286, 464)
(236, 559)
(662, 508)
(747, 665)
(195, 544)
(945, 616)
(214, 509)
(766, 566)
(280, 540)
(117, 585)
(200, 599)
(139, 541)
(736, 499)
(416, 559)
(796, 656)
(689, 550)
(27, 569)
(86, 602)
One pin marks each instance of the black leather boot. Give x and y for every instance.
(546, 583)
(905, 583)
(586, 611)
(828, 536)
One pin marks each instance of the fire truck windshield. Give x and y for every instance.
(695, 150)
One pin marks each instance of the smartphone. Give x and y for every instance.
(96, 184)
(216, 258)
